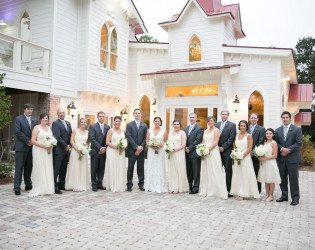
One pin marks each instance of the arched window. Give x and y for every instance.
(25, 34)
(256, 105)
(108, 49)
(194, 49)
(145, 110)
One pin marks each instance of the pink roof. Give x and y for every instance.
(303, 117)
(190, 70)
(301, 93)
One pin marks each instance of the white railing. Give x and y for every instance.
(22, 56)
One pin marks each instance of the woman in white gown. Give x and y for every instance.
(212, 176)
(178, 182)
(43, 172)
(155, 180)
(244, 183)
(77, 178)
(115, 166)
(269, 171)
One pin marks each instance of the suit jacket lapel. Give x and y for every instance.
(98, 126)
(27, 124)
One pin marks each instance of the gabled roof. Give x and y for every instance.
(140, 28)
(210, 8)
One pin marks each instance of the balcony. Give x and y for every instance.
(20, 56)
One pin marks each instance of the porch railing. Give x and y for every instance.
(22, 56)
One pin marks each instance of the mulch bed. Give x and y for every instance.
(6, 180)
(307, 168)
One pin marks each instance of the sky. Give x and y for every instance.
(278, 23)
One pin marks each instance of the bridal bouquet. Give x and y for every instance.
(83, 150)
(121, 143)
(169, 147)
(202, 150)
(238, 155)
(155, 142)
(260, 151)
(49, 142)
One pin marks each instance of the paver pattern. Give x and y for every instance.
(142, 220)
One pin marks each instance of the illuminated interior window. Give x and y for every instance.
(196, 90)
(108, 49)
(194, 49)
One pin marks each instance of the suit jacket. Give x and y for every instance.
(292, 142)
(62, 136)
(136, 137)
(97, 138)
(258, 135)
(227, 136)
(23, 132)
(193, 139)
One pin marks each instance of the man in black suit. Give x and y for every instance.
(258, 134)
(136, 133)
(23, 126)
(62, 132)
(194, 134)
(97, 135)
(227, 137)
(289, 139)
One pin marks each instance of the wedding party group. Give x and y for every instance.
(216, 162)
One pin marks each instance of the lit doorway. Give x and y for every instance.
(256, 105)
(145, 110)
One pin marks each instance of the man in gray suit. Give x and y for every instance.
(226, 141)
(194, 134)
(97, 135)
(23, 126)
(136, 133)
(289, 139)
(258, 134)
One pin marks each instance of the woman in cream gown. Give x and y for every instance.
(115, 167)
(43, 171)
(77, 178)
(244, 183)
(178, 182)
(212, 176)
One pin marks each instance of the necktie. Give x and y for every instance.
(29, 122)
(190, 129)
(102, 128)
(251, 129)
(285, 133)
(222, 126)
(65, 124)
(138, 125)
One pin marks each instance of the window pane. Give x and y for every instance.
(202, 115)
(104, 38)
(215, 113)
(113, 62)
(182, 115)
(168, 120)
(197, 90)
(113, 44)
(195, 49)
(103, 58)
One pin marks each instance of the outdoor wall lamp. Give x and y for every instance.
(236, 103)
(154, 103)
(71, 108)
(123, 112)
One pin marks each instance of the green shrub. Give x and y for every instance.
(6, 169)
(307, 151)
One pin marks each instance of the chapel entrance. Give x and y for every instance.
(145, 110)
(256, 105)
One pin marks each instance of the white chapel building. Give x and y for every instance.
(84, 56)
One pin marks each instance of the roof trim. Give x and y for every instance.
(190, 70)
(147, 42)
(142, 22)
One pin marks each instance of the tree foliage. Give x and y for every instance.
(5, 104)
(147, 39)
(305, 60)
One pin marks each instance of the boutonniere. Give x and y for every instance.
(193, 129)
(291, 129)
(256, 129)
(141, 125)
(105, 127)
(226, 125)
(33, 120)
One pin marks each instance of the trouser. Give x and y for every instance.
(193, 166)
(23, 162)
(291, 169)
(132, 159)
(97, 169)
(60, 163)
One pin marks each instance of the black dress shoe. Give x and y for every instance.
(62, 188)
(28, 188)
(17, 192)
(294, 203)
(129, 189)
(57, 191)
(141, 188)
(94, 189)
(101, 187)
(230, 195)
(281, 199)
(193, 192)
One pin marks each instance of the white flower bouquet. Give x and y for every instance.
(83, 150)
(260, 151)
(121, 143)
(202, 150)
(237, 155)
(49, 142)
(169, 147)
(155, 142)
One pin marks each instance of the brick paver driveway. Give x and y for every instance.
(141, 220)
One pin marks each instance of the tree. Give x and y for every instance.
(5, 104)
(147, 39)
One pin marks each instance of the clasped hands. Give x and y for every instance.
(139, 150)
(285, 151)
